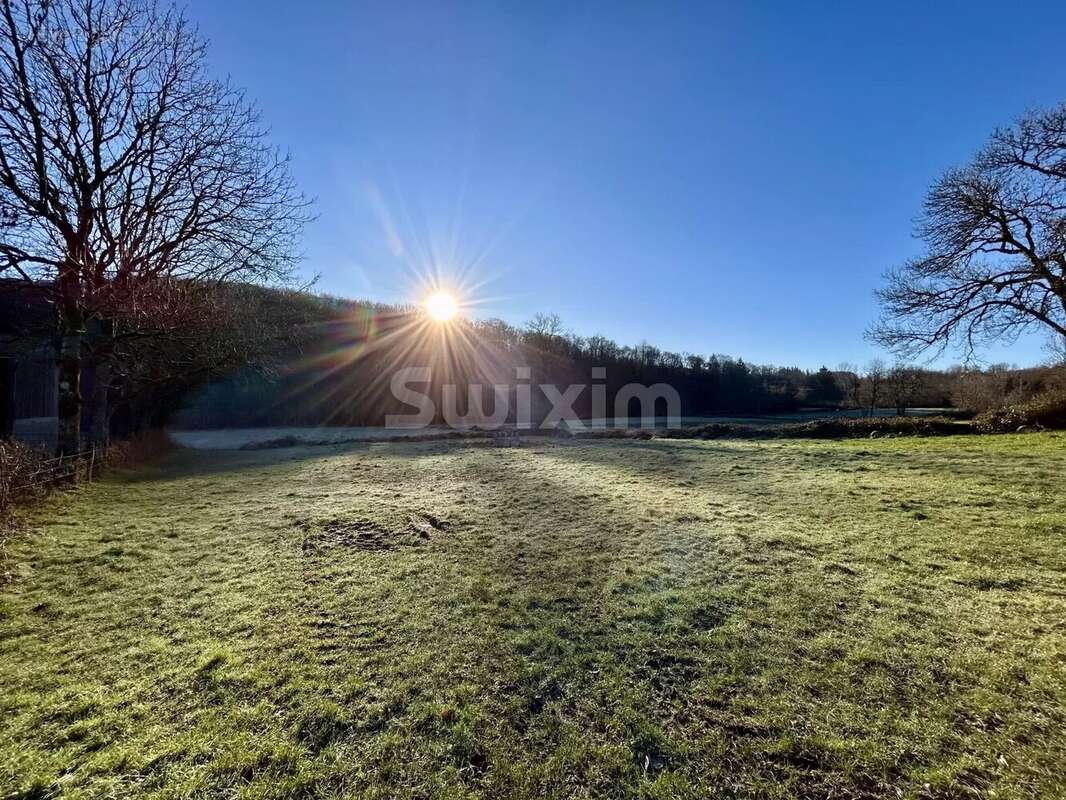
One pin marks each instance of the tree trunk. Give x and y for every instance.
(100, 417)
(71, 329)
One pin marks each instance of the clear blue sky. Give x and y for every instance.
(711, 177)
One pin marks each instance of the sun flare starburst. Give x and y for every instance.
(442, 306)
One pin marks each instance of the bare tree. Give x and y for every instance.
(904, 383)
(873, 385)
(125, 170)
(847, 376)
(1056, 349)
(995, 236)
(547, 326)
(671, 360)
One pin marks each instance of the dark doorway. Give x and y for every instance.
(7, 397)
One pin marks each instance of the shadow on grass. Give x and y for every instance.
(183, 462)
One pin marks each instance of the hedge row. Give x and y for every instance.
(1046, 411)
(838, 428)
(20, 469)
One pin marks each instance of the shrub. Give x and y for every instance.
(20, 467)
(840, 428)
(140, 448)
(28, 473)
(836, 428)
(1045, 411)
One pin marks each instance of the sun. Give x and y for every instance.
(442, 306)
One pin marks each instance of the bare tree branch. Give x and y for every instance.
(995, 236)
(125, 170)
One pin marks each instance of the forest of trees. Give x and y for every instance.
(336, 372)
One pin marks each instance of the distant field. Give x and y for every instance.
(235, 438)
(659, 619)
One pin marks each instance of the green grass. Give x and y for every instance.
(661, 619)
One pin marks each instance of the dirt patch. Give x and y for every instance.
(348, 534)
(360, 534)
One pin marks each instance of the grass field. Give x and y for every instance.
(662, 619)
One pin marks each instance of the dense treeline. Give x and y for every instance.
(241, 355)
(335, 365)
(341, 375)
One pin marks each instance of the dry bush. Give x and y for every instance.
(20, 469)
(838, 428)
(138, 449)
(876, 426)
(999, 386)
(1046, 411)
(28, 473)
